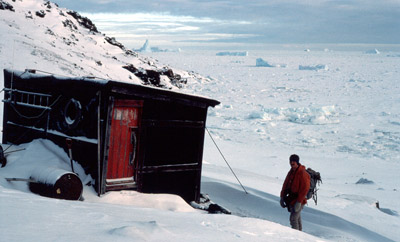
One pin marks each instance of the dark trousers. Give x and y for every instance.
(295, 218)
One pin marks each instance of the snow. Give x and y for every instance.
(343, 121)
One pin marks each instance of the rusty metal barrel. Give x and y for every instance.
(56, 183)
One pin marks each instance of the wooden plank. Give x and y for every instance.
(173, 123)
(107, 140)
(170, 168)
(99, 144)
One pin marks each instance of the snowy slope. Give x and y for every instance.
(39, 35)
(341, 119)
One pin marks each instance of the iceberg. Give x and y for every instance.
(262, 63)
(148, 49)
(374, 51)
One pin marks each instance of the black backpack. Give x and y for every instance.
(315, 179)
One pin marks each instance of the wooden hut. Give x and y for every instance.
(126, 136)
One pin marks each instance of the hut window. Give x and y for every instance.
(72, 112)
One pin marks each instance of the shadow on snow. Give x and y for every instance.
(261, 205)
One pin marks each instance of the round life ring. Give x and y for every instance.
(72, 113)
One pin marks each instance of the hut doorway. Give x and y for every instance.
(123, 145)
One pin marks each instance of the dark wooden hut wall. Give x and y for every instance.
(172, 138)
(171, 129)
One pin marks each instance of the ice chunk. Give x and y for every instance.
(262, 63)
(227, 53)
(364, 181)
(374, 51)
(145, 47)
(148, 49)
(306, 115)
(314, 68)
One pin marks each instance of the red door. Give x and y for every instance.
(123, 144)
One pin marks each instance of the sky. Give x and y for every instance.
(235, 22)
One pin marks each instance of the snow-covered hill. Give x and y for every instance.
(39, 35)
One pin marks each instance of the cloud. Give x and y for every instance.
(255, 21)
(165, 17)
(159, 25)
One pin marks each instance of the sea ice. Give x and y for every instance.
(227, 53)
(314, 68)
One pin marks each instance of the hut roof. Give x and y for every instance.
(48, 80)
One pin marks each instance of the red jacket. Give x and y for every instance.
(299, 183)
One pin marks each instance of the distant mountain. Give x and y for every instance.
(37, 34)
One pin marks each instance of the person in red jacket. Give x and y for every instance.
(294, 191)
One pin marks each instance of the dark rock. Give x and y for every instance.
(206, 204)
(40, 13)
(85, 22)
(6, 6)
(130, 68)
(112, 41)
(176, 79)
(68, 23)
(48, 4)
(29, 15)
(148, 77)
(152, 77)
(131, 53)
(169, 73)
(50, 32)
(68, 41)
(74, 37)
(217, 209)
